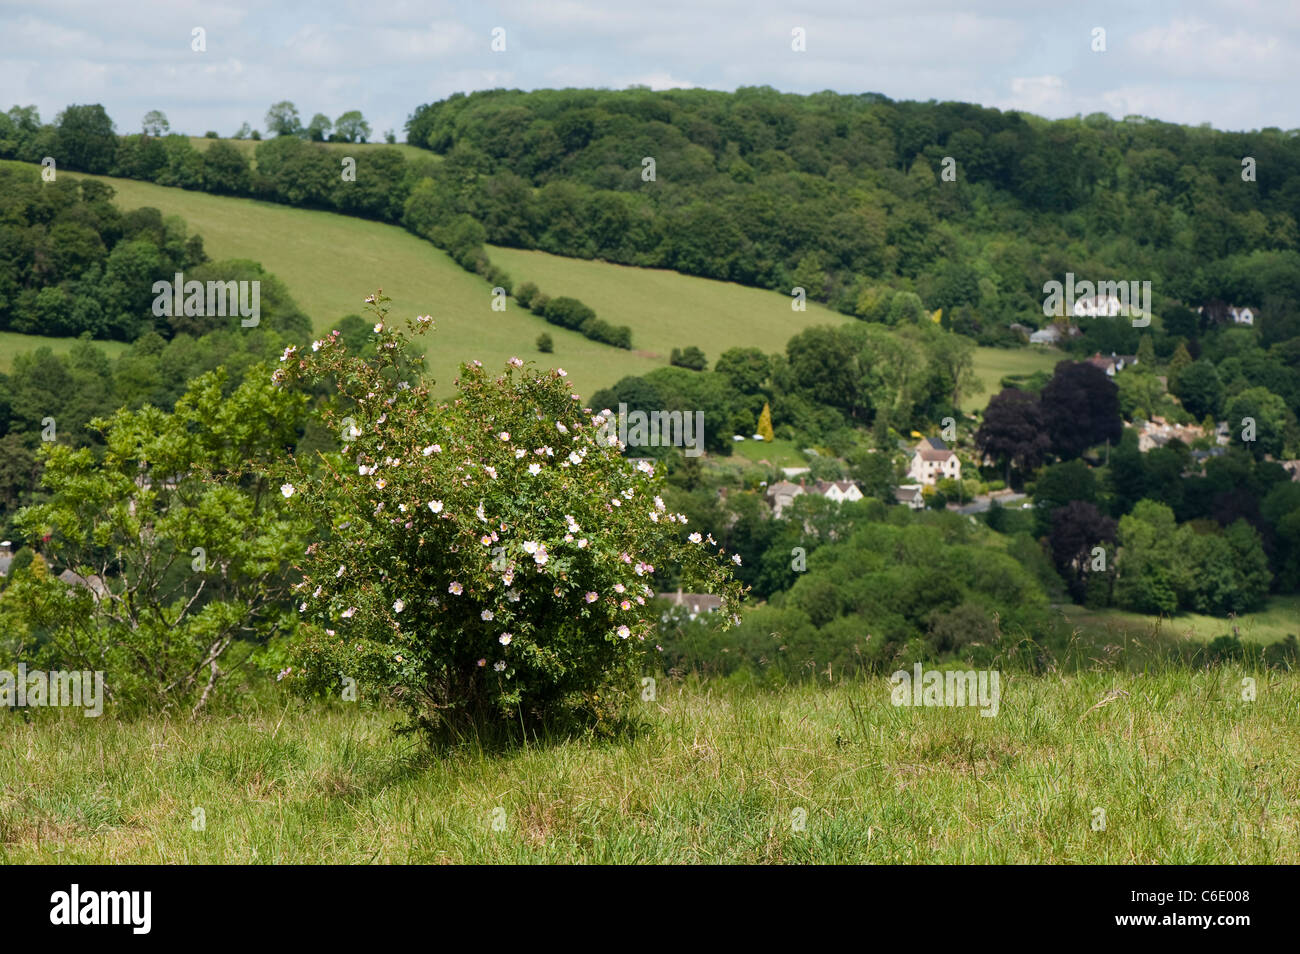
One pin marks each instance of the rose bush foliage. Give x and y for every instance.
(491, 556)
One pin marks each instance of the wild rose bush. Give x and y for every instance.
(492, 557)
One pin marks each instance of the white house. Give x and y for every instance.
(838, 490)
(1239, 316)
(910, 494)
(933, 461)
(1099, 306)
(1046, 336)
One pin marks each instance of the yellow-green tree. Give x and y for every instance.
(765, 423)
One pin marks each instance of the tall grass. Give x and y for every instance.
(1184, 768)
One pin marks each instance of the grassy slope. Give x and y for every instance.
(665, 309)
(13, 343)
(993, 364)
(331, 262)
(1186, 771)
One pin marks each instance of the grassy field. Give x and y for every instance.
(12, 343)
(668, 310)
(1280, 618)
(1185, 770)
(331, 262)
(992, 364)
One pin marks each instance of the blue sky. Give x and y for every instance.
(1232, 63)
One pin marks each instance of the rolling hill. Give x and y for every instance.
(330, 263)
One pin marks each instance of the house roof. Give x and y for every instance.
(940, 455)
(907, 492)
(783, 487)
(93, 582)
(822, 485)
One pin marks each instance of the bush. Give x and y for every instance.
(567, 313)
(491, 557)
(544, 343)
(689, 357)
(525, 293)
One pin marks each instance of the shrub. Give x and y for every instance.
(491, 557)
(544, 343)
(525, 293)
(567, 313)
(689, 357)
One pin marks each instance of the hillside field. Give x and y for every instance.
(993, 364)
(331, 262)
(12, 343)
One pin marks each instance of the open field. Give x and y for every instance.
(331, 262)
(992, 364)
(668, 310)
(1184, 769)
(12, 343)
(1280, 618)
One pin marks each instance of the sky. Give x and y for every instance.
(1234, 64)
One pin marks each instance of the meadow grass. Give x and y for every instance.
(1185, 770)
(1279, 618)
(12, 344)
(993, 364)
(666, 309)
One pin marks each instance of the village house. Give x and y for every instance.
(1158, 432)
(93, 582)
(910, 495)
(933, 461)
(838, 490)
(1099, 306)
(1053, 334)
(6, 557)
(693, 603)
(1116, 362)
(782, 493)
(1238, 316)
